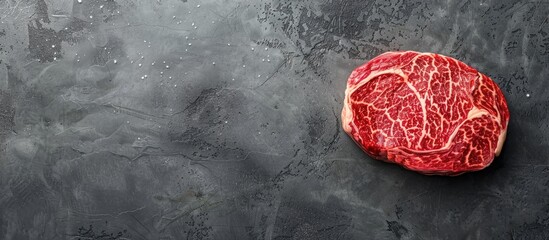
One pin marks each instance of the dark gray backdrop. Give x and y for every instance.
(220, 119)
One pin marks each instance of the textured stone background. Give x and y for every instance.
(219, 119)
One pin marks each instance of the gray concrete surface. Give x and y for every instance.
(218, 119)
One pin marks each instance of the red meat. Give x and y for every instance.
(426, 112)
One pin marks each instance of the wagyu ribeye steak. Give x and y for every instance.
(426, 112)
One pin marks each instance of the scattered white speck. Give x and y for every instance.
(186, 37)
(101, 7)
(173, 17)
(213, 21)
(115, 61)
(175, 85)
(190, 44)
(192, 24)
(232, 79)
(266, 48)
(226, 122)
(142, 77)
(138, 138)
(142, 57)
(528, 95)
(91, 16)
(145, 41)
(131, 61)
(243, 66)
(253, 49)
(140, 65)
(127, 121)
(228, 44)
(268, 60)
(79, 1)
(163, 61)
(167, 67)
(53, 46)
(180, 58)
(54, 58)
(170, 77)
(186, 50)
(77, 60)
(263, 60)
(161, 73)
(198, 5)
(152, 63)
(259, 75)
(195, 27)
(146, 76)
(213, 63)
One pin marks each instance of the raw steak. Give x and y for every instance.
(426, 112)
